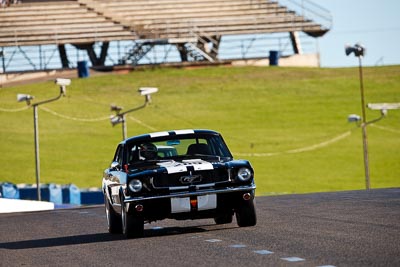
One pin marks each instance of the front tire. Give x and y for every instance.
(246, 213)
(132, 226)
(114, 221)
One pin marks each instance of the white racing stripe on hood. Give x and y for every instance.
(198, 164)
(176, 167)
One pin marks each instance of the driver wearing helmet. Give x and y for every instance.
(147, 151)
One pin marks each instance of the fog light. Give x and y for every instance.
(139, 207)
(247, 196)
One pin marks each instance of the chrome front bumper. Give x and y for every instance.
(226, 190)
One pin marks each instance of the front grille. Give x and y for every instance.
(166, 180)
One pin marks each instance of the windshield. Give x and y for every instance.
(178, 147)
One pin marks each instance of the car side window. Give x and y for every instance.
(119, 154)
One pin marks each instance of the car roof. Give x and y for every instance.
(150, 136)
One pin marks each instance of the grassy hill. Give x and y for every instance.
(291, 123)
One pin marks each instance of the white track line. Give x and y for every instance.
(74, 118)
(385, 128)
(299, 150)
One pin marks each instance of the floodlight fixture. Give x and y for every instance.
(381, 106)
(353, 118)
(116, 120)
(63, 83)
(25, 97)
(120, 116)
(357, 49)
(147, 91)
(115, 108)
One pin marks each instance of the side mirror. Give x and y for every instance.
(115, 165)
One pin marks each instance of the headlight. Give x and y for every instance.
(244, 174)
(135, 185)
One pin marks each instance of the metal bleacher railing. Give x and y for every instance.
(45, 57)
(310, 10)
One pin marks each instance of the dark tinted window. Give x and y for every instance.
(169, 147)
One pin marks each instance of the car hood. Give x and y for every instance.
(173, 166)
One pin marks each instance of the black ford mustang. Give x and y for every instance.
(183, 174)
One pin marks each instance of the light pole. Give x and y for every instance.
(383, 107)
(120, 117)
(22, 97)
(359, 52)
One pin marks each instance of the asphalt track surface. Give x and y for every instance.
(354, 228)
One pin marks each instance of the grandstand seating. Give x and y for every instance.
(185, 18)
(56, 22)
(195, 27)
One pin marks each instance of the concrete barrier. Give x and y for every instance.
(61, 196)
(92, 196)
(27, 192)
(18, 205)
(71, 194)
(48, 192)
(9, 190)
